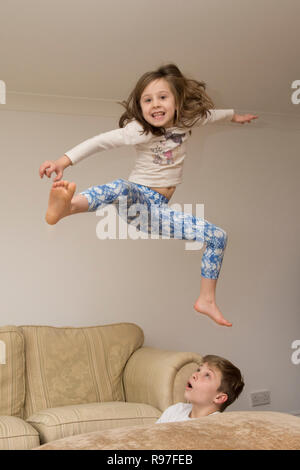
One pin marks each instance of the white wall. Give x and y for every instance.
(247, 177)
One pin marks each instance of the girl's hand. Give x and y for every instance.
(242, 118)
(48, 167)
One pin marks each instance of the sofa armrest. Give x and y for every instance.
(158, 377)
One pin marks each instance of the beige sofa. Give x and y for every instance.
(99, 388)
(60, 382)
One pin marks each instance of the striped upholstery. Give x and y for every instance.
(57, 423)
(68, 366)
(84, 379)
(16, 434)
(12, 371)
(166, 377)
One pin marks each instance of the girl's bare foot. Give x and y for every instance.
(59, 205)
(210, 309)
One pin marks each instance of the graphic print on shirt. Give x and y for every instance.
(177, 138)
(166, 157)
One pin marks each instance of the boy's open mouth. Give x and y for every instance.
(189, 385)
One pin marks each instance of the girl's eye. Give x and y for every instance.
(148, 99)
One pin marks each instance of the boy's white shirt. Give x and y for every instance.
(159, 160)
(178, 412)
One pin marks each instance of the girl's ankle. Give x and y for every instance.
(207, 299)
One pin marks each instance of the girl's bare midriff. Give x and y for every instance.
(167, 192)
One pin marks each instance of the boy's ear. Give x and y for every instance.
(221, 398)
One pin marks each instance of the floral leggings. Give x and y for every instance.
(169, 223)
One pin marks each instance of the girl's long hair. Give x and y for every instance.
(191, 101)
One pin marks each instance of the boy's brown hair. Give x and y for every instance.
(232, 382)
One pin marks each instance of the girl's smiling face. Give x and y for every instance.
(158, 104)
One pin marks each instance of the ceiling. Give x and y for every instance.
(247, 51)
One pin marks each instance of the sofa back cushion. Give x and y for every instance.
(12, 371)
(67, 366)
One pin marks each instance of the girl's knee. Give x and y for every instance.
(221, 237)
(225, 238)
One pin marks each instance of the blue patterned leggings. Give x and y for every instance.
(170, 223)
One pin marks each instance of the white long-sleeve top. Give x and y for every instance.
(159, 160)
(178, 412)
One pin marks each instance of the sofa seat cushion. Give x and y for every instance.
(57, 423)
(239, 430)
(16, 434)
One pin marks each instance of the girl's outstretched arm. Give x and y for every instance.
(242, 118)
(131, 134)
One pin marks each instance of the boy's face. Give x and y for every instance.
(158, 104)
(202, 386)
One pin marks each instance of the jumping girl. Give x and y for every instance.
(159, 114)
